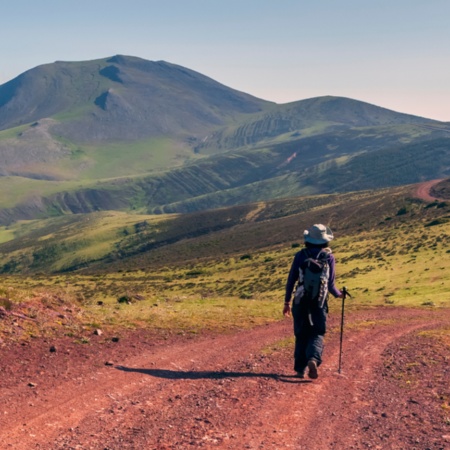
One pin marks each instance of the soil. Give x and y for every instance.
(425, 192)
(233, 391)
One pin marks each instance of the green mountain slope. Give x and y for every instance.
(113, 240)
(305, 118)
(123, 133)
(70, 115)
(120, 98)
(335, 162)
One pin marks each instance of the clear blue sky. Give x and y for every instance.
(393, 53)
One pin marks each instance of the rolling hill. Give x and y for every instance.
(123, 133)
(104, 241)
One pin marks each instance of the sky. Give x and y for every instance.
(392, 53)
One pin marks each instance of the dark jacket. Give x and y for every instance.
(294, 273)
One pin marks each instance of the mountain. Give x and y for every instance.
(311, 116)
(74, 115)
(124, 133)
(120, 98)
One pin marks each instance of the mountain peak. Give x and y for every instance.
(164, 99)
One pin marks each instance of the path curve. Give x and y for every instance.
(230, 391)
(423, 190)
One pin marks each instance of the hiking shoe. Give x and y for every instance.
(312, 369)
(300, 374)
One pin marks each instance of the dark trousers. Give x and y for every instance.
(309, 331)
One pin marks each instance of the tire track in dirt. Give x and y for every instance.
(323, 414)
(73, 401)
(232, 392)
(334, 415)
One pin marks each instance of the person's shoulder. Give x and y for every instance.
(327, 253)
(300, 254)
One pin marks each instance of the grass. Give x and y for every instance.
(16, 190)
(239, 292)
(388, 251)
(324, 164)
(158, 309)
(134, 158)
(6, 234)
(70, 240)
(12, 132)
(88, 166)
(406, 267)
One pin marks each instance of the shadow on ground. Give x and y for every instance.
(209, 374)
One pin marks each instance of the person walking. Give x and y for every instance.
(313, 270)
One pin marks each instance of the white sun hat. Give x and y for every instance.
(318, 234)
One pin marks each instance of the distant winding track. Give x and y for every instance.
(424, 189)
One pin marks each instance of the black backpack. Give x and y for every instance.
(313, 279)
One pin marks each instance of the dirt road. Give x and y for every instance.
(233, 391)
(424, 189)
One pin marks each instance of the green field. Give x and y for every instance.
(194, 284)
(134, 158)
(16, 190)
(244, 291)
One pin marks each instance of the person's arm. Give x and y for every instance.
(290, 283)
(292, 278)
(332, 289)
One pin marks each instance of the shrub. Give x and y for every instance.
(194, 273)
(6, 303)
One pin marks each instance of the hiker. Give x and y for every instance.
(313, 269)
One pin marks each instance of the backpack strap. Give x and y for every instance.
(324, 253)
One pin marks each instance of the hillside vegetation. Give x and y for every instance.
(176, 272)
(121, 241)
(123, 133)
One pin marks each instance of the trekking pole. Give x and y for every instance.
(345, 293)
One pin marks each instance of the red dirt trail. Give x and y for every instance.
(424, 189)
(232, 391)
